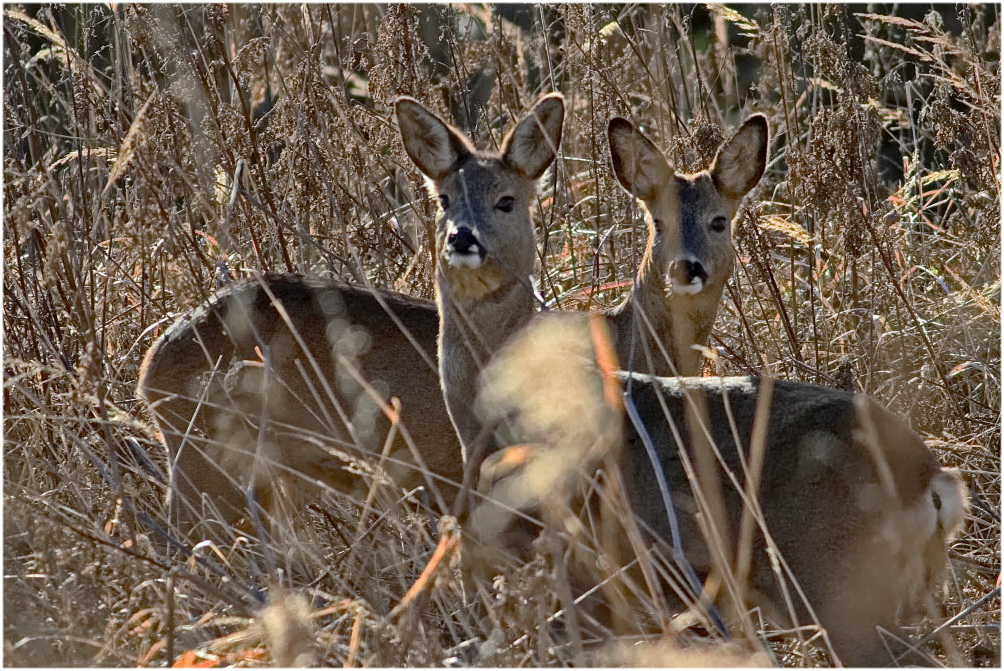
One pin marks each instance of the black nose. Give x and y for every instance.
(462, 241)
(686, 271)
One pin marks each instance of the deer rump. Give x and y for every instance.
(845, 491)
(855, 508)
(819, 482)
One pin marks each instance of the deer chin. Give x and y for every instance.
(694, 287)
(472, 260)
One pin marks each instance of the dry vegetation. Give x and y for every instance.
(152, 151)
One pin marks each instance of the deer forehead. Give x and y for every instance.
(479, 178)
(698, 197)
(694, 202)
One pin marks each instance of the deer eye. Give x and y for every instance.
(444, 201)
(718, 224)
(505, 203)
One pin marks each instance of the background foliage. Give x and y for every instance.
(151, 151)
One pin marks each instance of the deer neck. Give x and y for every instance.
(478, 312)
(655, 319)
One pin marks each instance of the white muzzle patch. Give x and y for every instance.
(470, 259)
(694, 287)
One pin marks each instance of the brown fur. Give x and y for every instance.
(228, 425)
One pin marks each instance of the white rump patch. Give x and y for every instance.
(948, 486)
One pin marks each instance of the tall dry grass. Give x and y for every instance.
(153, 152)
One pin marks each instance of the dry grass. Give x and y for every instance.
(150, 151)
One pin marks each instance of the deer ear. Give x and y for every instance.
(433, 145)
(638, 164)
(532, 145)
(741, 161)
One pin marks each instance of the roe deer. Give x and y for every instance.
(258, 384)
(846, 513)
(688, 257)
(485, 243)
(481, 282)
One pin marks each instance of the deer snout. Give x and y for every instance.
(687, 276)
(463, 249)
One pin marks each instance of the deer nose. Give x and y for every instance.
(463, 250)
(688, 274)
(461, 240)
